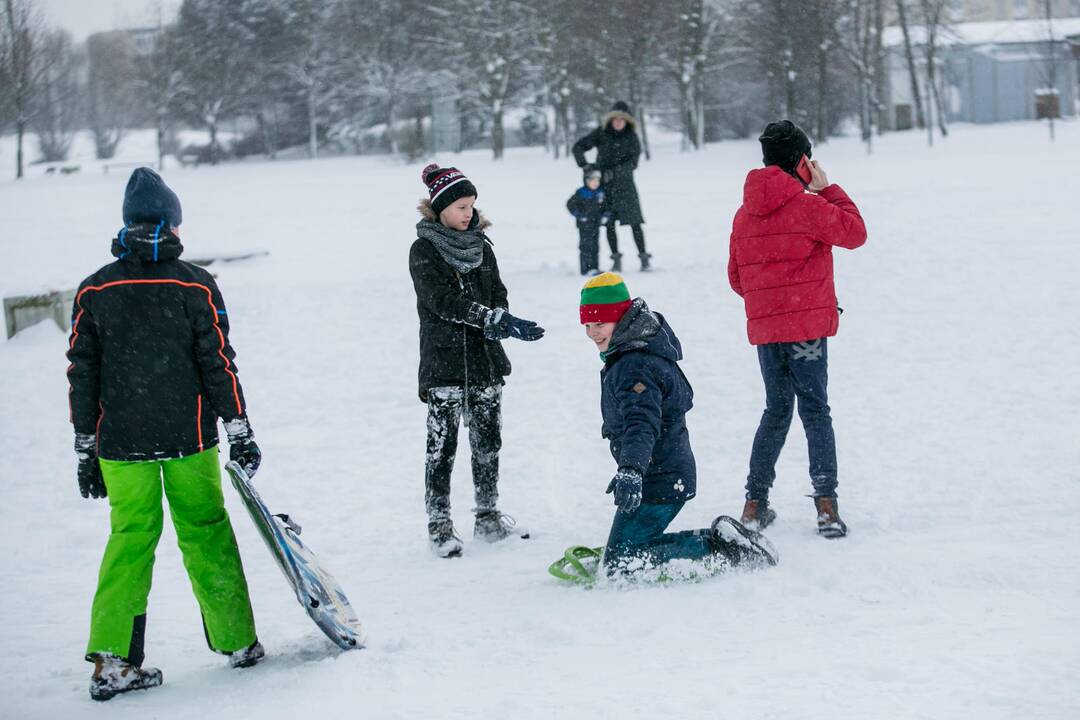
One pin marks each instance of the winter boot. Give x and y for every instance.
(114, 675)
(445, 542)
(741, 545)
(829, 524)
(247, 657)
(616, 262)
(757, 515)
(493, 526)
(645, 257)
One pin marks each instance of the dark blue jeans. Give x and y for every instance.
(641, 535)
(790, 371)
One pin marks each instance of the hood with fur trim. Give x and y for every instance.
(428, 213)
(631, 123)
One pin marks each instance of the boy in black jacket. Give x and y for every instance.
(151, 372)
(587, 207)
(463, 309)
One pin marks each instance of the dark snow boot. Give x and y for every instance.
(114, 675)
(247, 657)
(829, 524)
(645, 257)
(445, 542)
(493, 526)
(616, 262)
(757, 515)
(741, 545)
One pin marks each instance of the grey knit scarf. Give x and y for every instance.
(462, 249)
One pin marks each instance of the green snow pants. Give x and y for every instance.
(206, 540)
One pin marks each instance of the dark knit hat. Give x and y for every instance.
(621, 106)
(445, 185)
(783, 143)
(148, 199)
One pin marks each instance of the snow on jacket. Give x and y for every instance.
(617, 154)
(587, 207)
(151, 365)
(453, 349)
(644, 400)
(780, 258)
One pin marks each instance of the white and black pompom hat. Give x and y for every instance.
(445, 185)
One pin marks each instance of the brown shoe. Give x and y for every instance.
(757, 515)
(113, 675)
(829, 524)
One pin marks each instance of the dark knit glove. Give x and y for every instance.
(242, 447)
(90, 482)
(501, 324)
(627, 488)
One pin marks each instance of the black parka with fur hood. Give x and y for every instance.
(453, 349)
(617, 154)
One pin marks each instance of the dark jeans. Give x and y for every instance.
(589, 247)
(482, 409)
(613, 239)
(790, 371)
(640, 535)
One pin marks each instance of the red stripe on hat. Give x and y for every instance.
(609, 312)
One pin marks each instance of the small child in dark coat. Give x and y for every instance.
(587, 206)
(644, 398)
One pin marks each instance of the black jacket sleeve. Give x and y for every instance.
(583, 145)
(213, 353)
(639, 396)
(574, 205)
(84, 372)
(440, 293)
(498, 290)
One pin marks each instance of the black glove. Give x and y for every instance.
(242, 447)
(500, 324)
(90, 482)
(627, 488)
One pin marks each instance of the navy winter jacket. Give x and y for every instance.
(644, 400)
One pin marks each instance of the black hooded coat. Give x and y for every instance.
(617, 154)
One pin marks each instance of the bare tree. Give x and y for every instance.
(1049, 69)
(862, 45)
(57, 97)
(22, 28)
(909, 56)
(159, 85)
(934, 19)
(109, 85)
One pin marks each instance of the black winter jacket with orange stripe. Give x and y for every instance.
(151, 365)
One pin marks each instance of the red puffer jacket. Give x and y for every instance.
(781, 255)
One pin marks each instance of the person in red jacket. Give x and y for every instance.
(781, 265)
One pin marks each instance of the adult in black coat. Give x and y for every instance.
(617, 152)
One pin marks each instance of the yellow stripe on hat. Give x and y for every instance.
(604, 280)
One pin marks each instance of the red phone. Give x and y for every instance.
(803, 170)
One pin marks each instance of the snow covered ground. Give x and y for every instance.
(955, 391)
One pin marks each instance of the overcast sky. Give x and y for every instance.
(83, 17)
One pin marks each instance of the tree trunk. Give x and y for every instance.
(160, 142)
(20, 129)
(213, 143)
(391, 120)
(313, 124)
(644, 131)
(498, 139)
(909, 54)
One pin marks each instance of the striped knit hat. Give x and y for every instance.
(445, 185)
(604, 299)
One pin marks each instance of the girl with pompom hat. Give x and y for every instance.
(464, 316)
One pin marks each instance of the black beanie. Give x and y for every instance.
(621, 106)
(783, 143)
(148, 199)
(445, 185)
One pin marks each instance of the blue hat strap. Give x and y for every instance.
(157, 234)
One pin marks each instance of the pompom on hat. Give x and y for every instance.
(445, 185)
(604, 299)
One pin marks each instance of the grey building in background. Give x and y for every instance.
(991, 71)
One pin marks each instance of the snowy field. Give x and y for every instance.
(955, 393)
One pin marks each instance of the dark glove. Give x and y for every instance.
(90, 482)
(501, 324)
(627, 488)
(242, 447)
